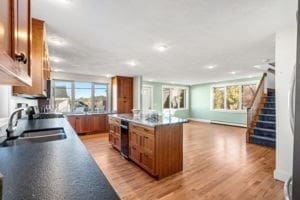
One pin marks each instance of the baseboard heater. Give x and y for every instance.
(227, 123)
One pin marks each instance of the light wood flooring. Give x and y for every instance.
(218, 164)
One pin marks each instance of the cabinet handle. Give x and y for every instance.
(133, 148)
(21, 57)
(146, 155)
(145, 137)
(146, 130)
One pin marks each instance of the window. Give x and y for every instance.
(100, 98)
(219, 100)
(83, 97)
(232, 97)
(63, 96)
(71, 96)
(174, 98)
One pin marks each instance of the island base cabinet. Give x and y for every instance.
(158, 150)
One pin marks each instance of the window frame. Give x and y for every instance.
(225, 85)
(73, 93)
(186, 102)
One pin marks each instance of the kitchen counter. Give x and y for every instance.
(143, 121)
(84, 114)
(61, 169)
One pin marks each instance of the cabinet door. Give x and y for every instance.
(21, 39)
(148, 143)
(111, 138)
(100, 123)
(83, 124)
(134, 138)
(147, 162)
(5, 27)
(117, 142)
(134, 154)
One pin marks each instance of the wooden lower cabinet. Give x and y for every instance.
(88, 123)
(114, 133)
(158, 150)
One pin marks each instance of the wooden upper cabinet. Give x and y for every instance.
(122, 94)
(39, 63)
(15, 42)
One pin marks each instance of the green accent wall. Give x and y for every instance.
(157, 98)
(200, 104)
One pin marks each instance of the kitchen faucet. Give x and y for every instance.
(11, 125)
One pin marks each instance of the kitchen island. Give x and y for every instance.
(61, 169)
(154, 145)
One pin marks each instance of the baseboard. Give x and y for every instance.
(200, 120)
(281, 175)
(228, 123)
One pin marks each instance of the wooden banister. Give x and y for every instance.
(253, 110)
(261, 83)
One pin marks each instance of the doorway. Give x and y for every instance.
(147, 98)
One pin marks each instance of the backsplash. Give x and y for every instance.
(8, 104)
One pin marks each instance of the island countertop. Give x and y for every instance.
(61, 169)
(152, 123)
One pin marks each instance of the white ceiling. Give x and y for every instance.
(102, 35)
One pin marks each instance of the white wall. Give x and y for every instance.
(9, 103)
(286, 42)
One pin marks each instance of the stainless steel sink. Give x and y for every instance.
(36, 136)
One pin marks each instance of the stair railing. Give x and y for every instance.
(254, 107)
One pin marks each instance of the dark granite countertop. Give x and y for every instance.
(143, 120)
(61, 169)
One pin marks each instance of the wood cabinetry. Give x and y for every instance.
(122, 94)
(15, 42)
(88, 123)
(141, 141)
(158, 150)
(114, 132)
(40, 67)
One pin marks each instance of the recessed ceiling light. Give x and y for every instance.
(66, 1)
(161, 47)
(233, 72)
(257, 66)
(56, 41)
(58, 70)
(150, 80)
(108, 75)
(132, 63)
(211, 66)
(55, 59)
(250, 76)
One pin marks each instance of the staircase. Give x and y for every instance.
(264, 130)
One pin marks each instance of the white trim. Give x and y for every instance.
(281, 175)
(200, 120)
(187, 95)
(152, 96)
(228, 123)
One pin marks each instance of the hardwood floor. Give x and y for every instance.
(218, 164)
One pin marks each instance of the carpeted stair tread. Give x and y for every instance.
(265, 129)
